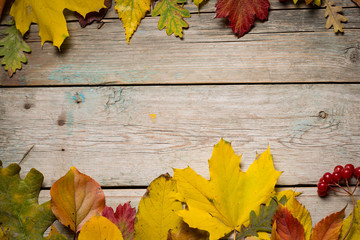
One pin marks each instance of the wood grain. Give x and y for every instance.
(293, 47)
(318, 207)
(127, 136)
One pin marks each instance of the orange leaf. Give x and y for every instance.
(75, 198)
(287, 226)
(329, 228)
(187, 233)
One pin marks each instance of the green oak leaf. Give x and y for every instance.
(171, 16)
(13, 50)
(21, 217)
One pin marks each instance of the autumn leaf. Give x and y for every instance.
(286, 226)
(242, 13)
(13, 50)
(329, 228)
(75, 198)
(2, 4)
(223, 203)
(131, 12)
(99, 228)
(354, 233)
(21, 217)
(357, 2)
(55, 235)
(123, 218)
(50, 17)
(187, 233)
(301, 214)
(334, 18)
(171, 16)
(156, 213)
(93, 16)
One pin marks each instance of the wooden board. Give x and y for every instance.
(127, 136)
(293, 46)
(318, 207)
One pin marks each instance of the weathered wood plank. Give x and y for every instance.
(126, 136)
(318, 207)
(285, 49)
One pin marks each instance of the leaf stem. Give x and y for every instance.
(353, 212)
(234, 234)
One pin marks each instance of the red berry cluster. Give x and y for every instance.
(330, 180)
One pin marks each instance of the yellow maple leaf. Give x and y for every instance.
(223, 203)
(156, 214)
(301, 214)
(354, 232)
(50, 17)
(131, 12)
(98, 228)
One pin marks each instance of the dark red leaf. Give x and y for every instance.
(287, 226)
(241, 13)
(93, 16)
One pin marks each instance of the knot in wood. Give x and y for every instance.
(322, 114)
(353, 55)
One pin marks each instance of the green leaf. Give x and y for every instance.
(262, 221)
(12, 50)
(21, 217)
(171, 16)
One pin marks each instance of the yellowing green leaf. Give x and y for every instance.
(354, 233)
(156, 214)
(50, 17)
(13, 50)
(75, 198)
(301, 214)
(100, 228)
(198, 2)
(224, 202)
(131, 12)
(171, 16)
(334, 18)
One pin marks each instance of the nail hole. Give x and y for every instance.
(27, 105)
(61, 122)
(322, 114)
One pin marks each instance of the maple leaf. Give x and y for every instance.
(123, 218)
(75, 198)
(98, 228)
(13, 50)
(329, 228)
(131, 12)
(21, 217)
(354, 232)
(286, 226)
(156, 213)
(93, 16)
(171, 16)
(241, 13)
(223, 203)
(50, 17)
(263, 221)
(334, 18)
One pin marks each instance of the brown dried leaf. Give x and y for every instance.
(334, 18)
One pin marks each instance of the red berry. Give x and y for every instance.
(350, 166)
(322, 187)
(328, 178)
(321, 180)
(357, 172)
(322, 194)
(346, 173)
(336, 176)
(338, 168)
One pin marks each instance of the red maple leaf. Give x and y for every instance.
(241, 13)
(124, 218)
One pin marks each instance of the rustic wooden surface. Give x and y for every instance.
(125, 114)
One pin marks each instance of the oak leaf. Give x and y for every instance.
(301, 214)
(286, 226)
(223, 203)
(93, 16)
(171, 16)
(13, 50)
(334, 18)
(329, 228)
(21, 217)
(50, 17)
(99, 228)
(75, 198)
(156, 213)
(242, 13)
(354, 233)
(123, 218)
(131, 12)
